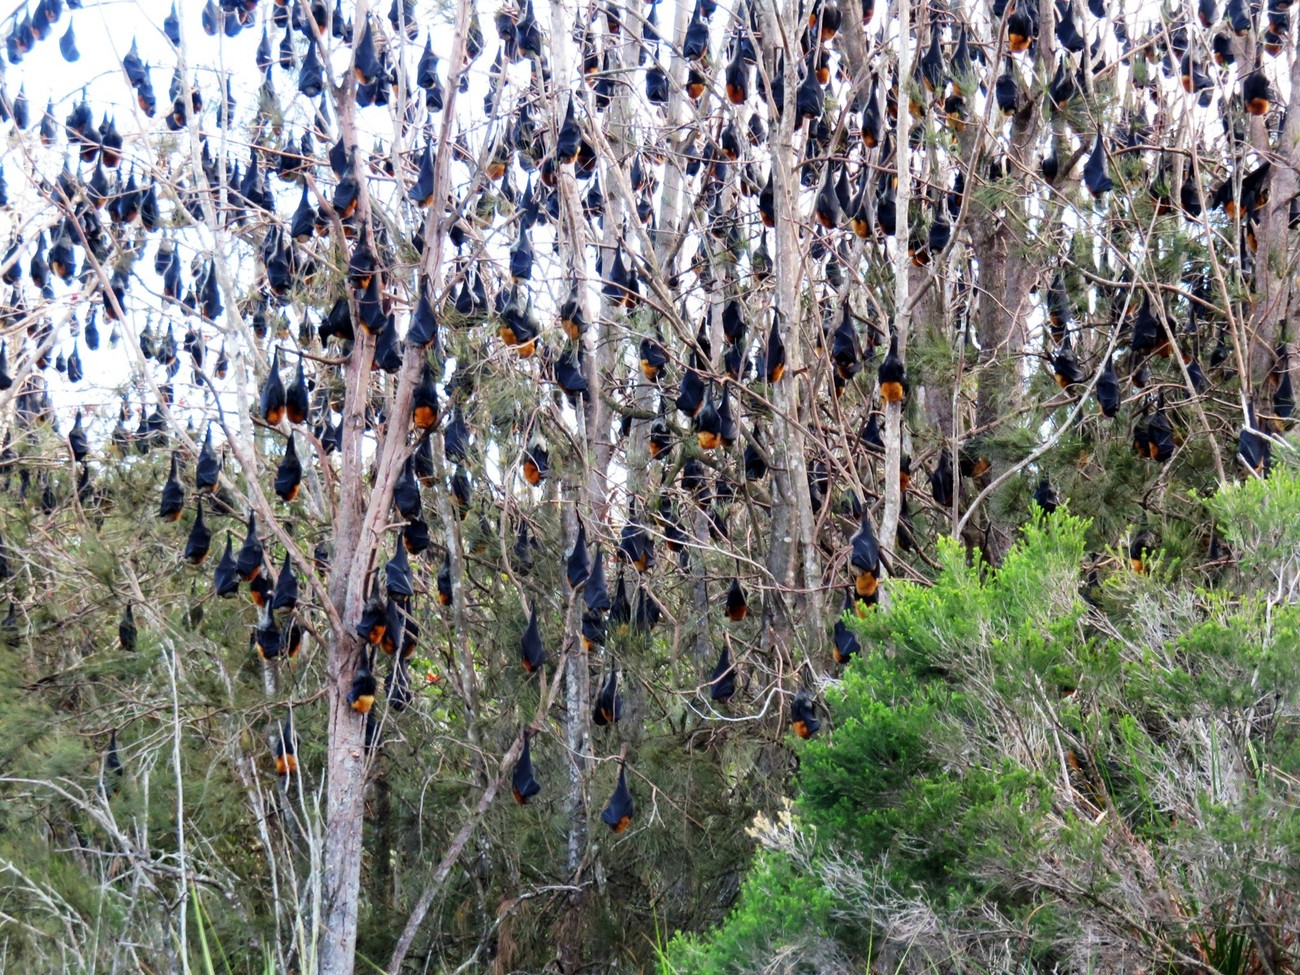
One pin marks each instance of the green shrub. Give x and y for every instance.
(1013, 779)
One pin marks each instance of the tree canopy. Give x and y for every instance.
(408, 408)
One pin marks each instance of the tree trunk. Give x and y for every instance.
(346, 765)
(577, 740)
(1003, 282)
(341, 874)
(902, 282)
(1274, 269)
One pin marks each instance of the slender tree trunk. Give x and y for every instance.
(902, 281)
(791, 421)
(1274, 262)
(577, 740)
(1004, 282)
(343, 828)
(346, 765)
(357, 530)
(583, 488)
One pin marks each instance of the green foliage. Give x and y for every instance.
(1258, 519)
(1111, 782)
(780, 910)
(67, 684)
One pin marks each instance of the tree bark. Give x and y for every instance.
(346, 766)
(902, 306)
(1005, 277)
(1274, 263)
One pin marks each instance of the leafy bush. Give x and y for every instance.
(1019, 780)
